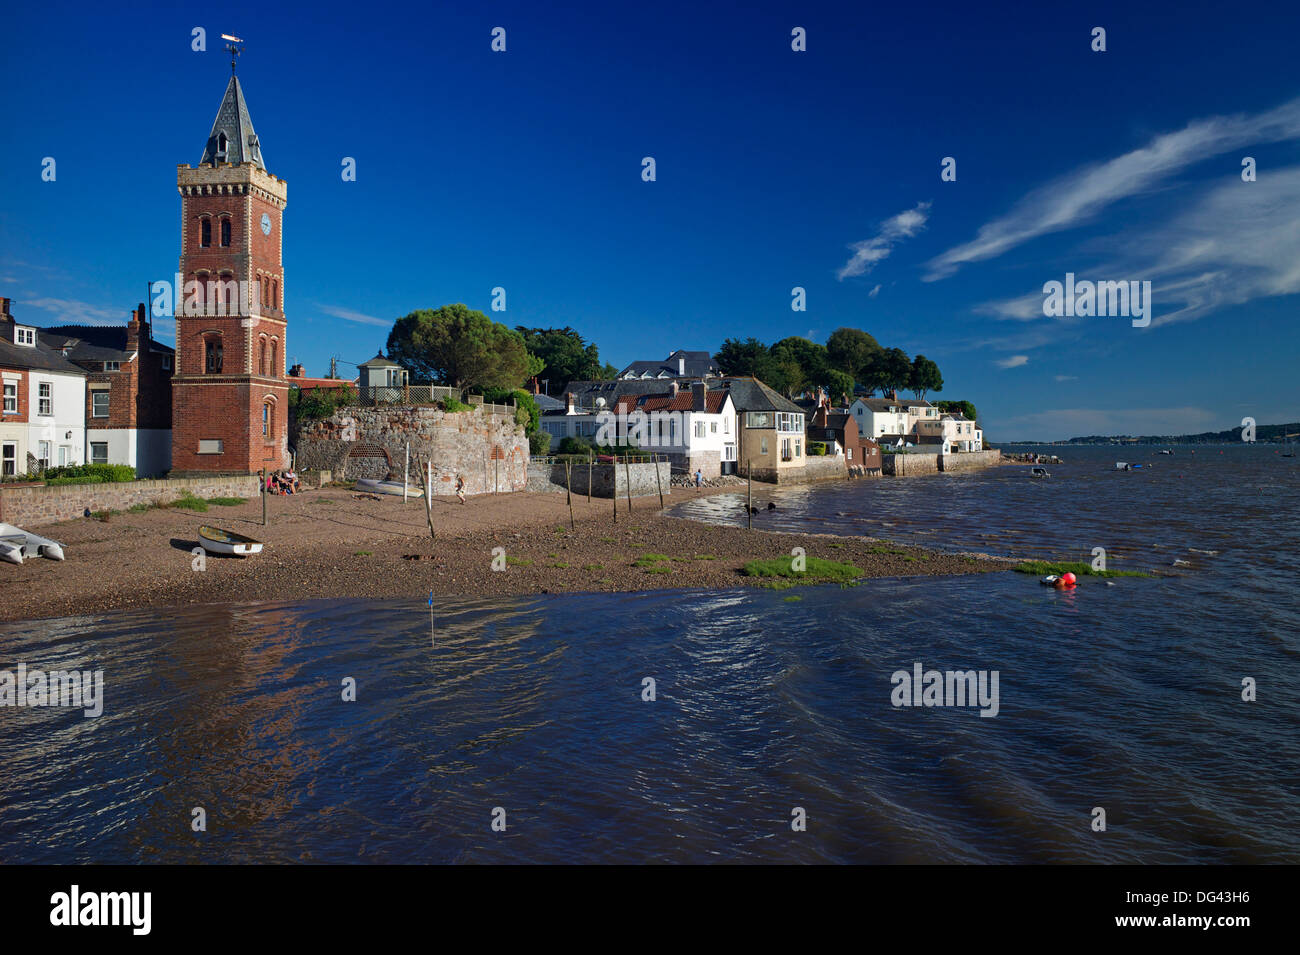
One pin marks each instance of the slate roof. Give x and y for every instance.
(684, 400)
(232, 119)
(94, 342)
(547, 403)
(698, 365)
(379, 361)
(884, 404)
(40, 358)
(750, 394)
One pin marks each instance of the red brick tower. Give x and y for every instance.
(229, 394)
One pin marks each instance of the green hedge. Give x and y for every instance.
(816, 448)
(90, 474)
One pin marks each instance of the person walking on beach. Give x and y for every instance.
(460, 488)
(699, 478)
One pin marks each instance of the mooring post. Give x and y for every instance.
(568, 488)
(627, 474)
(591, 463)
(749, 493)
(654, 459)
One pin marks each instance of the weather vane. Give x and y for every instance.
(232, 49)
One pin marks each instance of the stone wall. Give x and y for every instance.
(909, 465)
(544, 477)
(488, 449)
(815, 468)
(966, 460)
(33, 506)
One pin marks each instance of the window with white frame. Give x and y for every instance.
(43, 455)
(65, 455)
(24, 336)
(45, 398)
(99, 452)
(713, 427)
(699, 429)
(11, 397)
(9, 459)
(99, 404)
(112, 366)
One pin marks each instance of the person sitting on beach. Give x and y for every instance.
(291, 482)
(460, 488)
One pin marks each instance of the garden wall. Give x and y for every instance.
(546, 477)
(32, 506)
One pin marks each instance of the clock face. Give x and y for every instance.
(266, 224)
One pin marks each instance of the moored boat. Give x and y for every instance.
(28, 544)
(222, 541)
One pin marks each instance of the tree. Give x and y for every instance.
(966, 409)
(608, 372)
(458, 346)
(748, 358)
(892, 370)
(527, 412)
(809, 356)
(566, 356)
(925, 376)
(851, 350)
(839, 385)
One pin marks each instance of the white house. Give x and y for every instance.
(44, 409)
(696, 429)
(892, 417)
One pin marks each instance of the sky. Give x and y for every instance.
(774, 169)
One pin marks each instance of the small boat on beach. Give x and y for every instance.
(387, 487)
(227, 542)
(18, 543)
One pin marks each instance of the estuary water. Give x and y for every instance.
(1124, 697)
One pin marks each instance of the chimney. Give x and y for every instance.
(673, 388)
(699, 396)
(681, 366)
(895, 394)
(569, 403)
(5, 314)
(537, 389)
(134, 338)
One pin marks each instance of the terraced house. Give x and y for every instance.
(128, 405)
(42, 423)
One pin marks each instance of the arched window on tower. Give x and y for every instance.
(275, 293)
(225, 231)
(261, 356)
(205, 233)
(268, 420)
(212, 353)
(222, 144)
(275, 361)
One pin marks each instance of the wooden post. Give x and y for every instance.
(406, 472)
(613, 496)
(654, 459)
(591, 462)
(261, 480)
(568, 489)
(428, 495)
(749, 493)
(627, 473)
(496, 473)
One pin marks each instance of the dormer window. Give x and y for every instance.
(112, 366)
(221, 146)
(24, 336)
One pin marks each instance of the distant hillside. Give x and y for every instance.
(1264, 434)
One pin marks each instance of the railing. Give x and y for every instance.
(371, 395)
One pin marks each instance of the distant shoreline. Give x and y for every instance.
(331, 544)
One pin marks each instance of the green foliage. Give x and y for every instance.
(527, 414)
(890, 370)
(608, 372)
(1079, 568)
(817, 570)
(226, 501)
(453, 406)
(748, 358)
(839, 386)
(817, 448)
(851, 351)
(952, 407)
(313, 404)
(924, 377)
(650, 561)
(575, 445)
(461, 347)
(188, 502)
(90, 474)
(539, 443)
(564, 354)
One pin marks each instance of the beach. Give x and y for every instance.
(333, 543)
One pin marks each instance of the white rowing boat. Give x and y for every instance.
(227, 542)
(387, 487)
(26, 545)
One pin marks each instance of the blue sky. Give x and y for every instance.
(775, 169)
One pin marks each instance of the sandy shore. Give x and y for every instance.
(332, 543)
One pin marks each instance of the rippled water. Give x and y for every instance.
(1125, 697)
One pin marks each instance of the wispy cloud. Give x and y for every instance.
(1066, 377)
(66, 311)
(1015, 361)
(1079, 195)
(1237, 242)
(360, 318)
(869, 252)
(874, 292)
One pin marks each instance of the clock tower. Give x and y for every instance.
(229, 393)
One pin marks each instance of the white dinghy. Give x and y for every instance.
(27, 545)
(228, 542)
